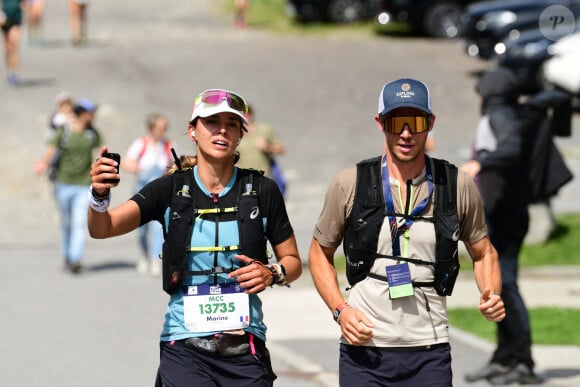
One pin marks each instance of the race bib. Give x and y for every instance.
(399, 279)
(221, 307)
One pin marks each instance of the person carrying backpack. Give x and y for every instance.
(501, 161)
(399, 218)
(149, 157)
(218, 218)
(68, 159)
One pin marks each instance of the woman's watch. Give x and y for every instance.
(278, 274)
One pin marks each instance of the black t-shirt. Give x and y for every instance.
(155, 198)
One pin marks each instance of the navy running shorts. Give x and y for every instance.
(374, 367)
(183, 366)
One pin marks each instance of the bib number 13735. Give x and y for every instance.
(209, 308)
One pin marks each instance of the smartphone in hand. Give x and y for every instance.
(117, 158)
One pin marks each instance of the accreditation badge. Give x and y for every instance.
(399, 279)
(219, 307)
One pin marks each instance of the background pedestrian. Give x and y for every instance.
(11, 20)
(240, 13)
(73, 145)
(63, 113)
(259, 149)
(499, 164)
(35, 21)
(149, 157)
(79, 21)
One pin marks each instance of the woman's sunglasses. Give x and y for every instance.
(217, 96)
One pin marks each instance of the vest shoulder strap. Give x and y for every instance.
(445, 179)
(369, 187)
(250, 224)
(179, 230)
(446, 227)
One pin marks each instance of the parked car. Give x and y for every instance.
(527, 53)
(336, 11)
(436, 18)
(486, 23)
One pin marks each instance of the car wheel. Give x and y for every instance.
(442, 20)
(346, 11)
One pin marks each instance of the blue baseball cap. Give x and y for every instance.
(87, 104)
(404, 92)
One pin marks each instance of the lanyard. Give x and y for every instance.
(396, 229)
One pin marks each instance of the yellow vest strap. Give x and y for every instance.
(214, 248)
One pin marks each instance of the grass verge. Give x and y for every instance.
(550, 326)
(560, 249)
(273, 15)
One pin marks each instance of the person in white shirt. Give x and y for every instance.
(149, 157)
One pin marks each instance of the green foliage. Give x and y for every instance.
(558, 250)
(561, 249)
(550, 326)
(273, 15)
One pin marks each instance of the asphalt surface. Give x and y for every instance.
(318, 92)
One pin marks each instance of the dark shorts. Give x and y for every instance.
(374, 367)
(13, 14)
(182, 365)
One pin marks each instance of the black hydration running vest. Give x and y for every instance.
(369, 212)
(183, 213)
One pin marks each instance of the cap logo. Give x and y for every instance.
(406, 91)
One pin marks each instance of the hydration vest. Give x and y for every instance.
(184, 212)
(368, 215)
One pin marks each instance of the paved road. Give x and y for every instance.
(318, 92)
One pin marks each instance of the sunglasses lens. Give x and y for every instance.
(416, 124)
(215, 97)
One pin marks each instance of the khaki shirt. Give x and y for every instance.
(402, 322)
(250, 155)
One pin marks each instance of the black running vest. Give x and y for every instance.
(183, 212)
(369, 212)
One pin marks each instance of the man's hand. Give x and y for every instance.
(491, 306)
(356, 328)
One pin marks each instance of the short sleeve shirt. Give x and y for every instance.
(153, 158)
(250, 155)
(154, 200)
(77, 154)
(405, 321)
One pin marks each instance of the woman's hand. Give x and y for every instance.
(253, 276)
(102, 170)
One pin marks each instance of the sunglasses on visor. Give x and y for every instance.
(396, 124)
(217, 96)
